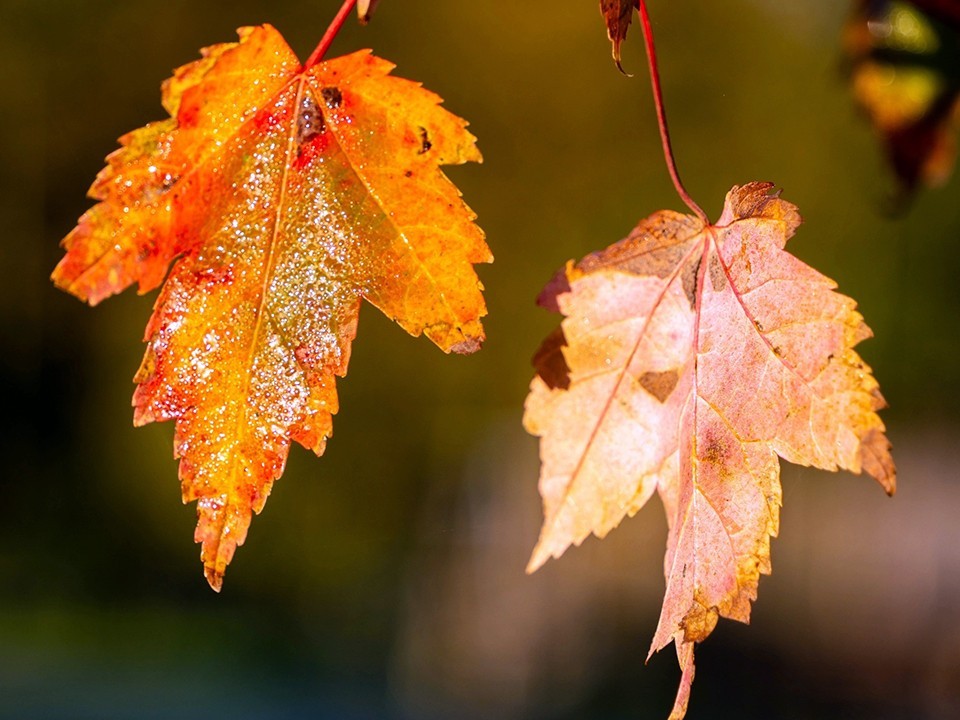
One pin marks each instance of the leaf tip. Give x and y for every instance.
(617, 59)
(876, 460)
(365, 10)
(214, 578)
(468, 345)
(537, 559)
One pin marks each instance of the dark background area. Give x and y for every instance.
(385, 579)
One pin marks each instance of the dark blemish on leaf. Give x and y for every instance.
(759, 326)
(425, 143)
(331, 96)
(155, 190)
(715, 451)
(309, 119)
(550, 362)
(408, 173)
(777, 351)
(717, 276)
(689, 280)
(659, 384)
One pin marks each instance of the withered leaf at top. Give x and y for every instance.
(618, 14)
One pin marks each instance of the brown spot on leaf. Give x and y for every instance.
(659, 384)
(309, 119)
(717, 277)
(425, 143)
(712, 454)
(714, 449)
(331, 96)
(550, 362)
(689, 279)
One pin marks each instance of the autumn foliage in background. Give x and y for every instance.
(903, 59)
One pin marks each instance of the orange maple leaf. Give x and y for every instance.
(285, 196)
(690, 357)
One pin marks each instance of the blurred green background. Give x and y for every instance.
(385, 580)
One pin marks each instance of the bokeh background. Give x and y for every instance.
(385, 580)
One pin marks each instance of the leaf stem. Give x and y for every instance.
(327, 40)
(662, 116)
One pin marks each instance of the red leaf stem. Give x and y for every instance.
(662, 117)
